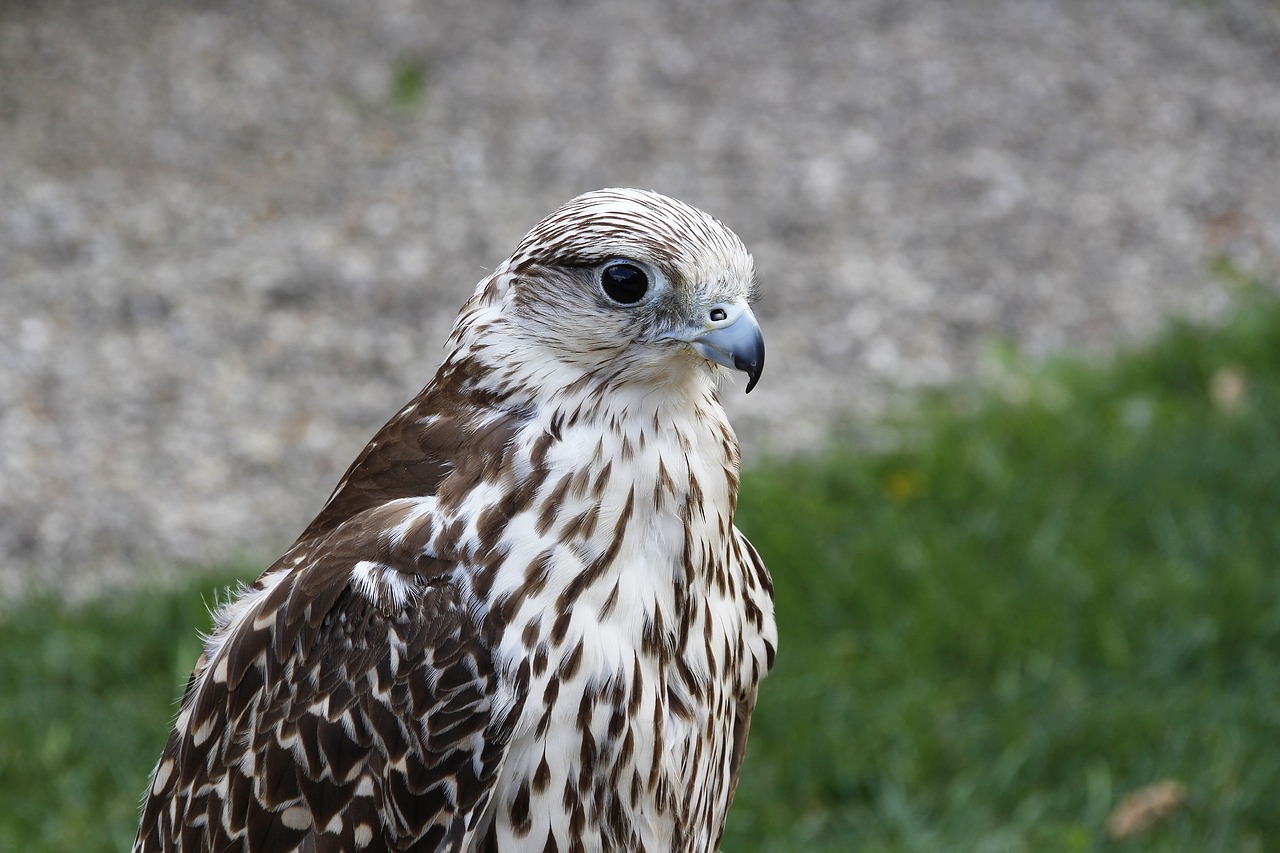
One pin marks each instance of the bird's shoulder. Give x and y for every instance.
(451, 437)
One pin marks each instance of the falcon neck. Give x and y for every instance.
(640, 469)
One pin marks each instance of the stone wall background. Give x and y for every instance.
(233, 235)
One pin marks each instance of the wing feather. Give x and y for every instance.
(329, 718)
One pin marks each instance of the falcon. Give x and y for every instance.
(524, 619)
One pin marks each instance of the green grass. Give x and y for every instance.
(87, 695)
(1065, 588)
(1062, 587)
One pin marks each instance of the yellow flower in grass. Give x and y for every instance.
(901, 486)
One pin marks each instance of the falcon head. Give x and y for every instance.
(620, 286)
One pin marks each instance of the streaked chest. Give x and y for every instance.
(618, 585)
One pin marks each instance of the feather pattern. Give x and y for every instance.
(524, 619)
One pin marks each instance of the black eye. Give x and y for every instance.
(625, 283)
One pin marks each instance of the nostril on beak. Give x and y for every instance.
(717, 314)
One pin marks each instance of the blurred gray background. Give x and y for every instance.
(233, 235)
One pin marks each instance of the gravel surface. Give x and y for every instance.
(233, 235)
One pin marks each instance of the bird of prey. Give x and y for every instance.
(524, 620)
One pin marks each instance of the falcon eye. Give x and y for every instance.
(624, 283)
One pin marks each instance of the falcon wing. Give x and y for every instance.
(741, 726)
(758, 592)
(319, 707)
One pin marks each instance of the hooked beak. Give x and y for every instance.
(729, 335)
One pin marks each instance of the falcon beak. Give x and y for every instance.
(729, 335)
